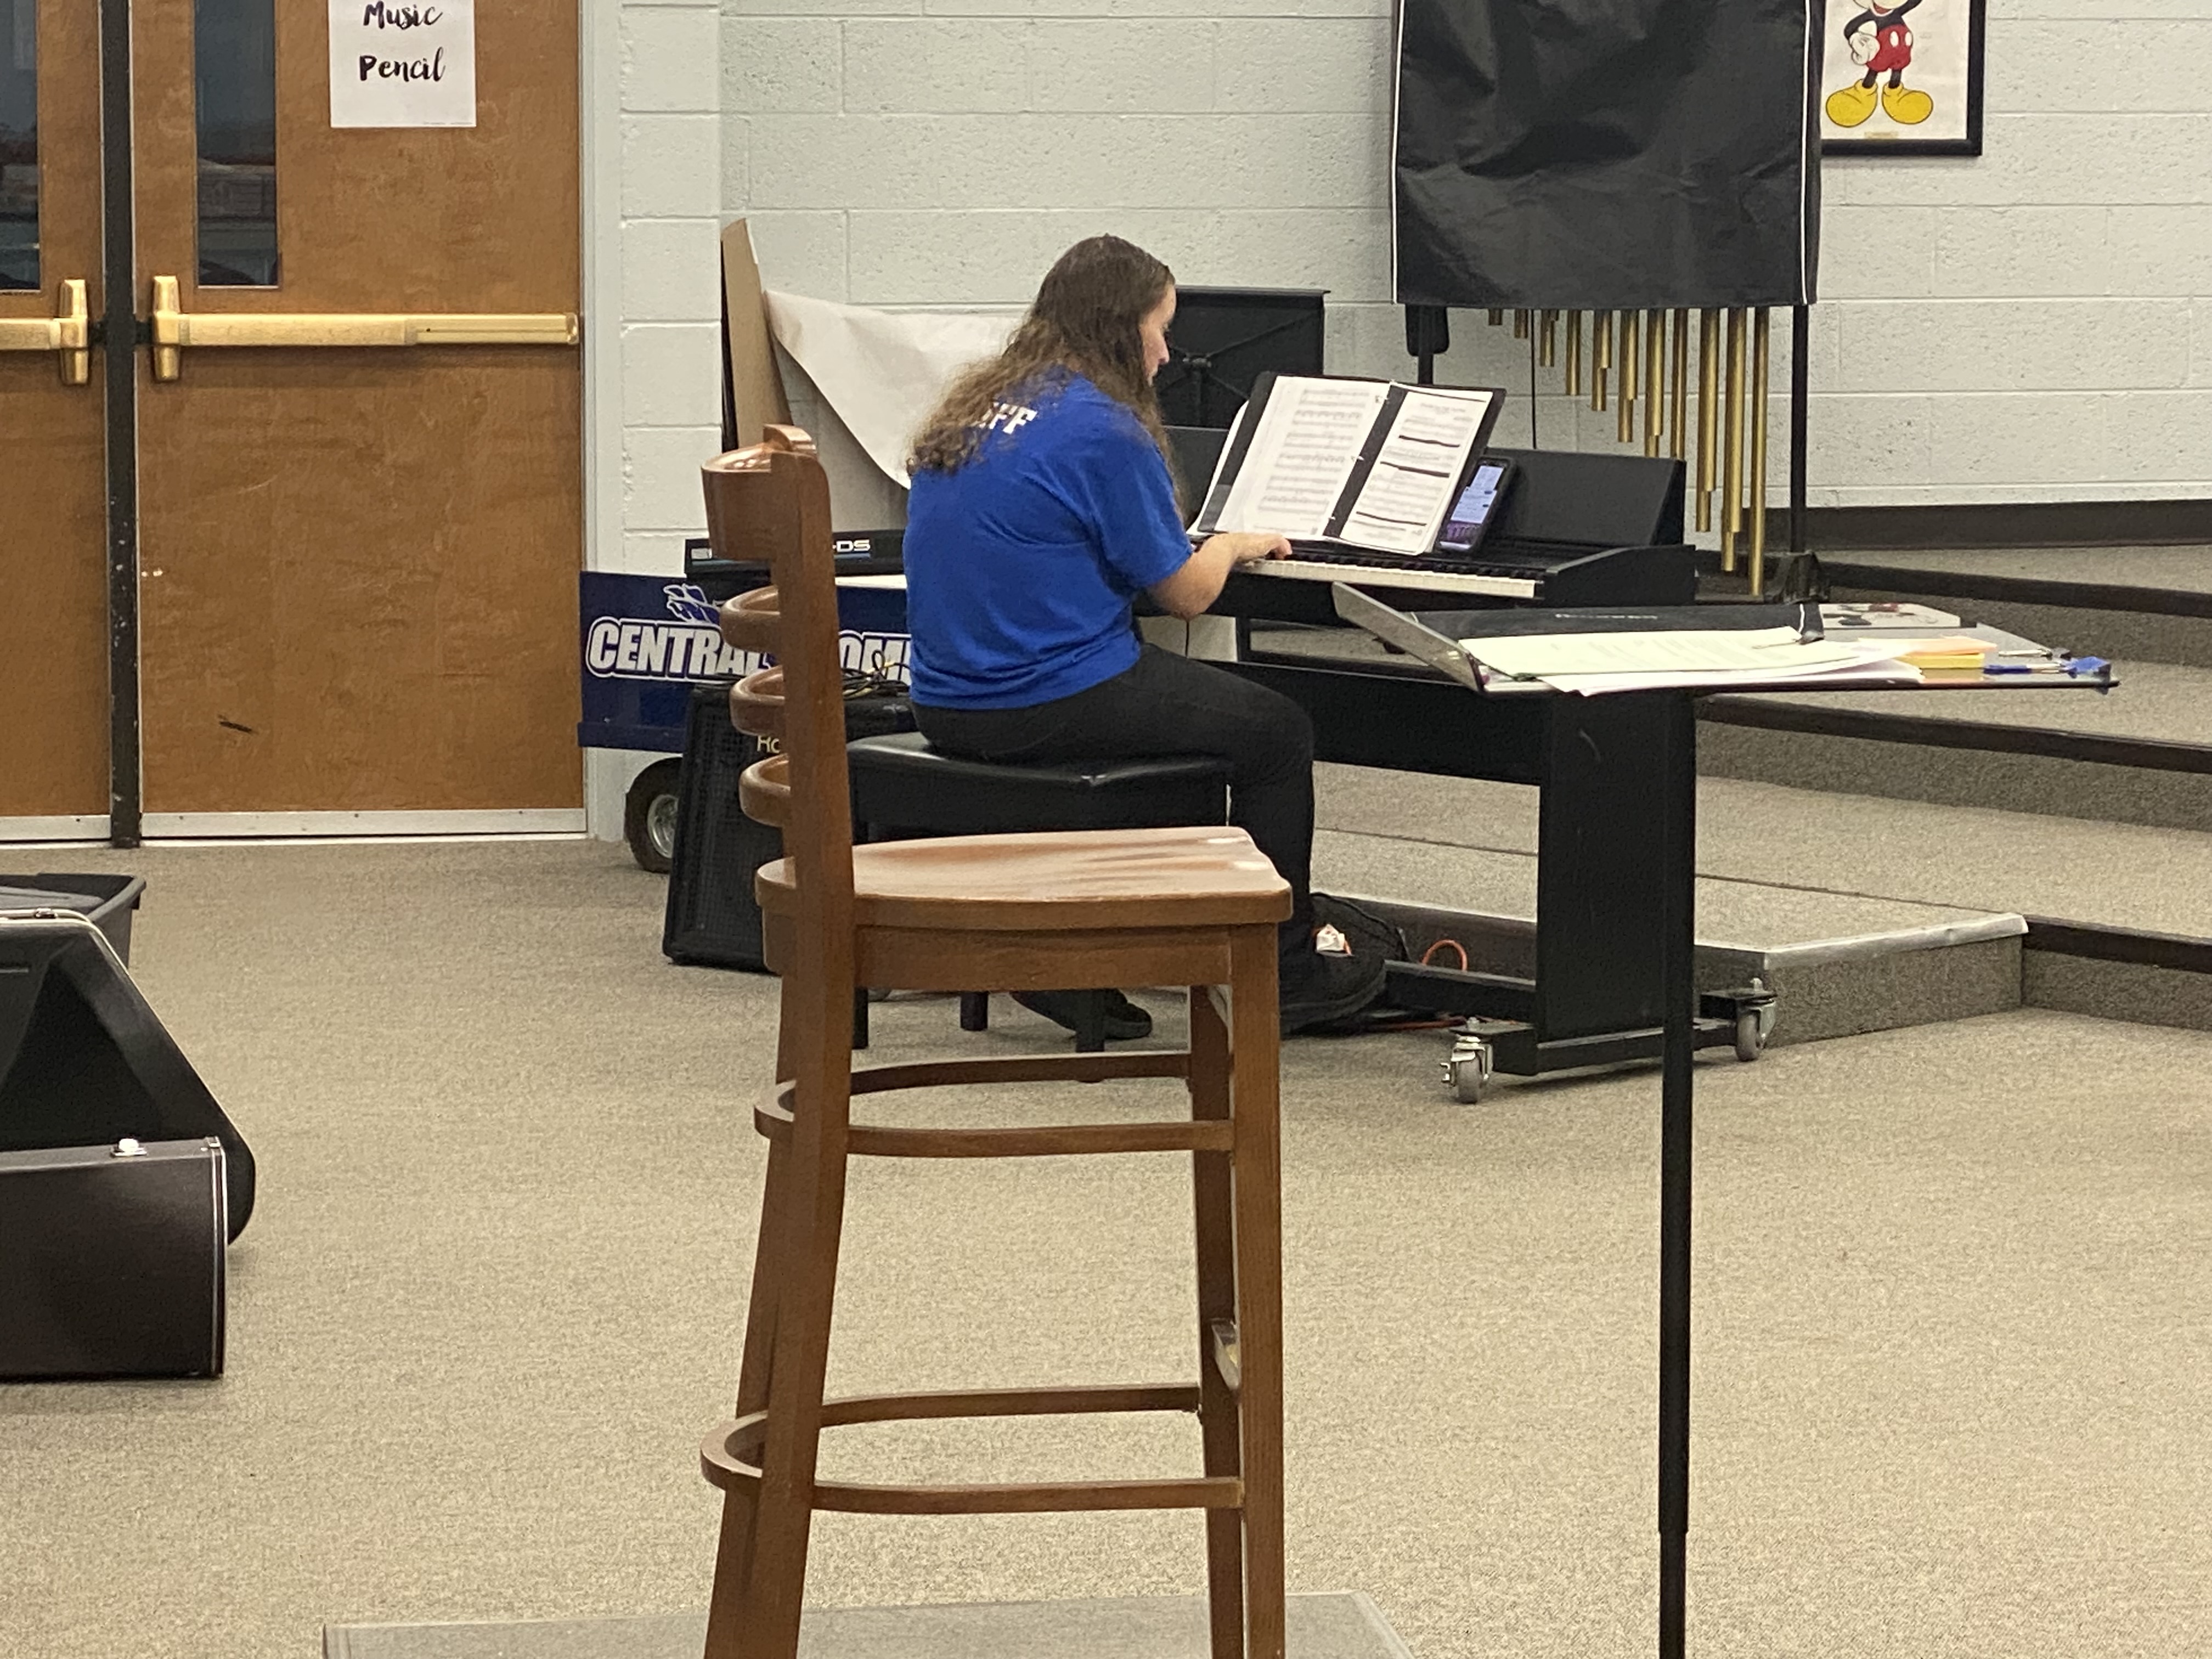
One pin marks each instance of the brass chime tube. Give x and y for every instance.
(1678, 436)
(1547, 339)
(1495, 317)
(1600, 355)
(1574, 366)
(1521, 323)
(1631, 358)
(1709, 408)
(1758, 363)
(1654, 379)
(1732, 443)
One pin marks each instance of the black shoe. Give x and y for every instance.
(1124, 1019)
(1322, 989)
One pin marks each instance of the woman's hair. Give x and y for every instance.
(1084, 321)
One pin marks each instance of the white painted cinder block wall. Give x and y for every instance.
(2033, 324)
(651, 295)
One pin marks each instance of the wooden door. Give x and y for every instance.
(355, 565)
(359, 564)
(53, 636)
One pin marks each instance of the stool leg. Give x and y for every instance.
(734, 1554)
(1256, 1083)
(861, 1016)
(974, 1010)
(1090, 1023)
(776, 1582)
(1211, 1192)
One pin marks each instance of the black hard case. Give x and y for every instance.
(111, 1261)
(84, 1059)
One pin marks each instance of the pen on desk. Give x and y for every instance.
(2075, 667)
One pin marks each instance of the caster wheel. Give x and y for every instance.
(649, 816)
(1750, 1036)
(1466, 1073)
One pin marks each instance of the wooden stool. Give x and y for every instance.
(904, 788)
(1194, 907)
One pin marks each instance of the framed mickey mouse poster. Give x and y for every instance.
(1901, 78)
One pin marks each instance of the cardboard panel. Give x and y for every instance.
(755, 390)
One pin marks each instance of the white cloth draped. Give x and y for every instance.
(883, 371)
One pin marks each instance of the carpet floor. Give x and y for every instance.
(1954, 1296)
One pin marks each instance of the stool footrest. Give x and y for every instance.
(729, 1456)
(773, 1118)
(1023, 1068)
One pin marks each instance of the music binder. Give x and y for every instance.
(1359, 462)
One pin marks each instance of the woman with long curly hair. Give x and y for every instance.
(1042, 507)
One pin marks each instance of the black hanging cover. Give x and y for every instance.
(1606, 155)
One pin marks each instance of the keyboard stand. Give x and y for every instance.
(1596, 762)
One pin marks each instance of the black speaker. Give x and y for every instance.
(713, 919)
(84, 1061)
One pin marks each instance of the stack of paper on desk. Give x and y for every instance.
(1592, 663)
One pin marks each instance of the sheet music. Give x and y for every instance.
(1409, 488)
(1707, 655)
(1306, 445)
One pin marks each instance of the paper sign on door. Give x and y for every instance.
(403, 63)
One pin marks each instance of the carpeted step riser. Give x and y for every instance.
(2139, 992)
(2054, 786)
(1888, 985)
(2122, 636)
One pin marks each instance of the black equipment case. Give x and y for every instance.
(85, 1062)
(111, 1261)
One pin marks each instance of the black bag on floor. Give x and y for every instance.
(111, 1261)
(84, 1061)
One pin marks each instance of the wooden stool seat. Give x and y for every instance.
(1079, 879)
(1063, 911)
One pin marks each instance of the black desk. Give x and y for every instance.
(1600, 766)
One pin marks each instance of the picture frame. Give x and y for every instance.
(1901, 78)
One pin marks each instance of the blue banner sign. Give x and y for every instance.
(647, 639)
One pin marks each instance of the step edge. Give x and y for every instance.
(1913, 582)
(1945, 731)
(1966, 927)
(2104, 942)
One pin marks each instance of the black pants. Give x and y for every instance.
(1172, 705)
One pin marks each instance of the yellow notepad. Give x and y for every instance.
(1956, 653)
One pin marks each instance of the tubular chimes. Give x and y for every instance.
(1648, 362)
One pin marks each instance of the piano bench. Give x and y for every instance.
(903, 789)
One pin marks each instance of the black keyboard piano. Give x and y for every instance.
(1578, 529)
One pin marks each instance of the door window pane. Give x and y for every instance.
(19, 144)
(235, 49)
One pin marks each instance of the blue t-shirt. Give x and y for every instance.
(1021, 566)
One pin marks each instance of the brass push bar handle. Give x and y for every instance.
(69, 332)
(175, 329)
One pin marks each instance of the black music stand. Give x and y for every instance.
(1669, 722)
(1224, 338)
